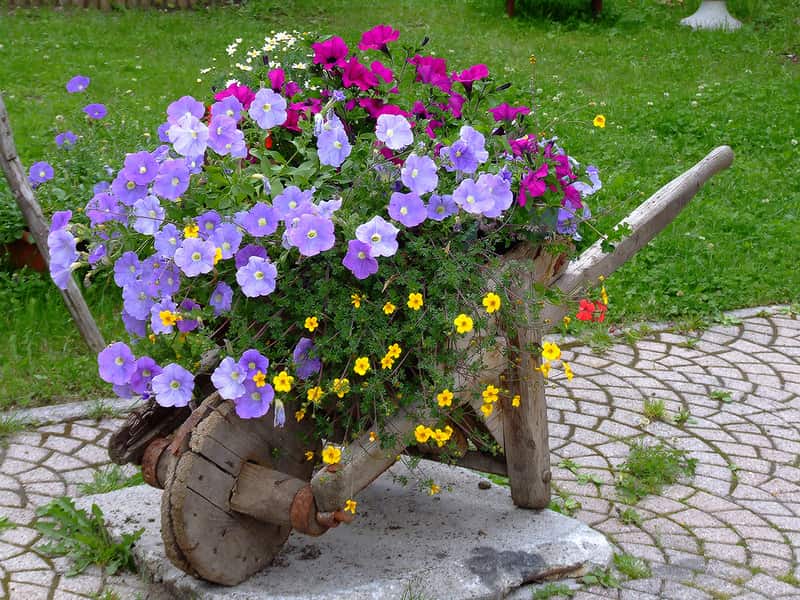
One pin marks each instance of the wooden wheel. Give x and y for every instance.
(202, 535)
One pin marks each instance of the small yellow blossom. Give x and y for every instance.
(444, 398)
(599, 121)
(515, 401)
(191, 231)
(463, 323)
(341, 387)
(492, 302)
(415, 301)
(387, 362)
(331, 455)
(422, 433)
(260, 379)
(441, 436)
(550, 351)
(168, 318)
(491, 394)
(394, 351)
(487, 409)
(604, 295)
(532, 59)
(282, 382)
(389, 308)
(545, 369)
(217, 255)
(350, 506)
(314, 394)
(300, 415)
(311, 323)
(373, 436)
(309, 455)
(152, 338)
(566, 320)
(362, 365)
(356, 300)
(568, 371)
(434, 489)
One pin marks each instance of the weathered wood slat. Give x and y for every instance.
(265, 494)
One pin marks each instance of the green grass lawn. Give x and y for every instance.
(669, 95)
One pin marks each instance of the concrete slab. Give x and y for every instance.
(464, 543)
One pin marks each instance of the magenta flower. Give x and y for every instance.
(532, 185)
(78, 84)
(394, 131)
(241, 92)
(257, 277)
(40, 172)
(255, 402)
(378, 38)
(469, 76)
(116, 363)
(359, 259)
(506, 112)
(408, 209)
(330, 53)
(173, 386)
(383, 72)
(312, 234)
(356, 74)
(195, 256)
(95, 111)
(433, 71)
(221, 298)
(380, 235)
(268, 109)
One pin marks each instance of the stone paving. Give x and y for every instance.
(732, 531)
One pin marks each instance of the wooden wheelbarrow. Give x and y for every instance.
(234, 488)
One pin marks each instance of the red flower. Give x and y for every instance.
(585, 311)
(268, 142)
(600, 311)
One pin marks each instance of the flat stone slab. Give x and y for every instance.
(464, 543)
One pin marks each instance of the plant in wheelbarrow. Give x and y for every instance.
(344, 254)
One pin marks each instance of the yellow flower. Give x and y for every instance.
(282, 382)
(599, 121)
(260, 379)
(394, 351)
(422, 433)
(373, 436)
(311, 323)
(362, 365)
(545, 369)
(356, 300)
(492, 302)
(152, 338)
(217, 255)
(387, 362)
(490, 394)
(309, 455)
(568, 371)
(331, 455)
(441, 436)
(567, 320)
(415, 301)
(191, 231)
(532, 59)
(463, 323)
(300, 415)
(515, 401)
(550, 351)
(434, 489)
(487, 409)
(350, 506)
(315, 394)
(168, 318)
(341, 387)
(444, 398)
(389, 308)
(604, 295)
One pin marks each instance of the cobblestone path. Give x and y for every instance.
(732, 531)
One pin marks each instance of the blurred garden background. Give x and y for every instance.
(668, 94)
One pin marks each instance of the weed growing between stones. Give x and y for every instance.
(655, 409)
(602, 577)
(5, 524)
(650, 467)
(682, 417)
(83, 538)
(631, 566)
(109, 479)
(564, 503)
(552, 590)
(9, 426)
(100, 410)
(630, 517)
(721, 395)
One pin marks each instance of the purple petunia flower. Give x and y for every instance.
(293, 202)
(60, 220)
(127, 269)
(140, 167)
(499, 190)
(394, 131)
(95, 111)
(268, 109)
(221, 298)
(208, 222)
(280, 414)
(126, 190)
(136, 300)
(172, 179)
(96, 254)
(162, 132)
(223, 135)
(185, 106)
(255, 402)
(195, 163)
(253, 361)
(173, 386)
(146, 369)
(305, 361)
(78, 84)
(594, 178)
(188, 136)
(229, 379)
(326, 208)
(40, 172)
(468, 151)
(260, 220)
(243, 255)
(227, 238)
(157, 323)
(103, 207)
(408, 209)
(116, 363)
(333, 147)
(135, 327)
(67, 139)
(230, 107)
(359, 259)
(380, 235)
(419, 174)
(148, 215)
(472, 198)
(195, 256)
(166, 280)
(312, 235)
(185, 325)
(257, 277)
(62, 246)
(441, 207)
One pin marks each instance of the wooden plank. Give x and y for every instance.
(265, 494)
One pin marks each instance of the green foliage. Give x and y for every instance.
(83, 538)
(682, 416)
(655, 409)
(6, 524)
(631, 566)
(109, 479)
(721, 395)
(601, 577)
(11, 222)
(629, 516)
(552, 590)
(100, 410)
(564, 503)
(649, 467)
(9, 425)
